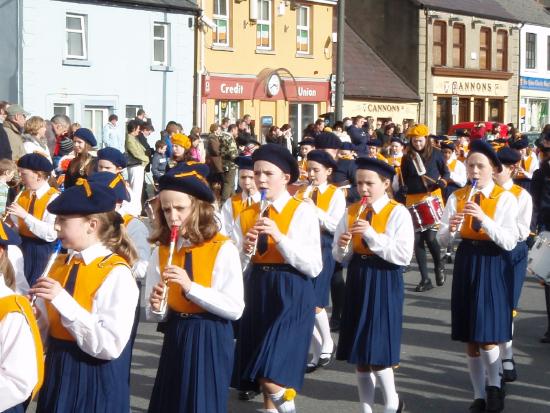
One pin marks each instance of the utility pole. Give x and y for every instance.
(340, 61)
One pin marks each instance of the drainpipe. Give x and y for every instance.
(199, 56)
(518, 118)
(426, 69)
(20, 52)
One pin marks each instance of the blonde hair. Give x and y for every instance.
(113, 235)
(33, 125)
(200, 226)
(7, 269)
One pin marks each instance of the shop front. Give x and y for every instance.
(273, 97)
(534, 101)
(399, 113)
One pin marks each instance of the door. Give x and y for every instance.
(443, 115)
(94, 117)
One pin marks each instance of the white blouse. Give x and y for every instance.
(226, 212)
(525, 211)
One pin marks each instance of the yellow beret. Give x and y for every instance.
(181, 140)
(418, 130)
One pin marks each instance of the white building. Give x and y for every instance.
(89, 59)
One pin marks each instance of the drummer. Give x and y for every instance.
(425, 174)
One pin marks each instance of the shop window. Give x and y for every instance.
(458, 45)
(443, 115)
(485, 48)
(502, 51)
(226, 109)
(303, 29)
(496, 110)
(464, 110)
(220, 36)
(161, 37)
(439, 49)
(264, 25)
(300, 115)
(479, 110)
(76, 32)
(530, 50)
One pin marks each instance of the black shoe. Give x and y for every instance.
(334, 324)
(449, 258)
(545, 338)
(440, 276)
(401, 407)
(248, 394)
(424, 285)
(324, 359)
(495, 402)
(310, 368)
(478, 406)
(509, 376)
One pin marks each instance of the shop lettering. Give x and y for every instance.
(382, 108)
(470, 87)
(305, 91)
(236, 89)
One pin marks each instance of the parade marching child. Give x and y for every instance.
(346, 151)
(509, 159)
(90, 298)
(281, 242)
(456, 168)
(21, 352)
(34, 222)
(529, 163)
(373, 150)
(233, 206)
(376, 237)
(463, 141)
(306, 145)
(481, 303)
(204, 292)
(83, 163)
(330, 205)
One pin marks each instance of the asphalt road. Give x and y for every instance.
(433, 375)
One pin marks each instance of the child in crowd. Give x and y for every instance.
(158, 165)
(7, 172)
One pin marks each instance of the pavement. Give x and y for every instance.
(433, 375)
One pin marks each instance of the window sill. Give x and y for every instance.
(159, 68)
(220, 48)
(262, 51)
(76, 62)
(304, 56)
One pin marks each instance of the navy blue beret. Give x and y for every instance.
(397, 139)
(439, 137)
(448, 145)
(321, 157)
(84, 198)
(347, 146)
(374, 142)
(35, 162)
(244, 163)
(376, 165)
(307, 141)
(508, 156)
(486, 149)
(86, 135)
(327, 140)
(280, 157)
(189, 178)
(8, 236)
(520, 143)
(113, 182)
(112, 155)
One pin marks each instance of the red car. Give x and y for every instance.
(477, 132)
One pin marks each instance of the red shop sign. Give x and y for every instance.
(218, 87)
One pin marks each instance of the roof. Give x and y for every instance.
(368, 76)
(174, 6)
(527, 11)
(489, 9)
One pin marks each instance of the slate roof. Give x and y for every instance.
(527, 11)
(367, 76)
(174, 6)
(489, 9)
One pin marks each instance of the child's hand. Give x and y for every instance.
(175, 274)
(46, 288)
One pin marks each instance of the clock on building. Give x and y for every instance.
(273, 85)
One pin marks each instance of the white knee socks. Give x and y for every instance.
(477, 376)
(387, 383)
(322, 324)
(366, 383)
(492, 364)
(282, 405)
(316, 343)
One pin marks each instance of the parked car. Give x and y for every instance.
(475, 131)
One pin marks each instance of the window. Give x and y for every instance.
(63, 109)
(226, 109)
(464, 110)
(161, 35)
(444, 118)
(496, 110)
(485, 48)
(300, 115)
(94, 117)
(479, 110)
(220, 36)
(264, 25)
(439, 43)
(75, 26)
(131, 111)
(302, 29)
(502, 50)
(531, 51)
(458, 45)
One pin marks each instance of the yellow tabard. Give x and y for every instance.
(452, 165)
(237, 205)
(127, 218)
(488, 205)
(40, 205)
(378, 223)
(516, 190)
(323, 199)
(525, 164)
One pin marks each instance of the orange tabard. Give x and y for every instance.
(40, 205)
(323, 199)
(516, 190)
(452, 165)
(237, 205)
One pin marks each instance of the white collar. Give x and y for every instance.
(255, 198)
(91, 253)
(380, 203)
(508, 184)
(488, 189)
(281, 202)
(40, 192)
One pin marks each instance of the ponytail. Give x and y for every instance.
(7, 269)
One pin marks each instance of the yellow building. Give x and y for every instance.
(271, 59)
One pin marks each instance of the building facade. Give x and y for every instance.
(269, 59)
(91, 59)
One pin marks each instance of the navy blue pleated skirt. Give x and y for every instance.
(74, 381)
(518, 257)
(372, 317)
(195, 365)
(36, 253)
(321, 283)
(481, 301)
(15, 409)
(275, 329)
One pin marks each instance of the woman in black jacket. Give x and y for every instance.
(417, 188)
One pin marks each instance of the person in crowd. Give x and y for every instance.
(228, 153)
(13, 125)
(529, 162)
(373, 150)
(111, 135)
(34, 136)
(181, 150)
(288, 138)
(172, 127)
(224, 124)
(159, 162)
(389, 130)
(245, 135)
(83, 163)
(462, 143)
(8, 169)
(196, 151)
(57, 137)
(5, 149)
(138, 159)
(338, 130)
(358, 135)
(214, 159)
(275, 136)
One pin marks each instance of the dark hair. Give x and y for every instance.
(388, 127)
(140, 112)
(3, 105)
(426, 153)
(285, 127)
(225, 120)
(231, 127)
(160, 144)
(132, 125)
(113, 117)
(146, 126)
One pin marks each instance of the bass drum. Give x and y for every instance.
(538, 261)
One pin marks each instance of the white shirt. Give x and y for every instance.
(525, 211)
(131, 207)
(18, 368)
(226, 213)
(533, 166)
(395, 244)
(16, 259)
(301, 246)
(328, 220)
(225, 297)
(42, 228)
(502, 229)
(32, 146)
(104, 332)
(138, 233)
(112, 138)
(459, 175)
